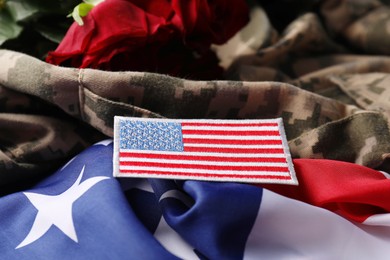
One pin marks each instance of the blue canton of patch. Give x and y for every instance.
(156, 136)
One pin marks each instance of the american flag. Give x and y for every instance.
(217, 150)
(164, 219)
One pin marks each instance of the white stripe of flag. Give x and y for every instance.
(217, 150)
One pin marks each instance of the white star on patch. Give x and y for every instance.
(57, 210)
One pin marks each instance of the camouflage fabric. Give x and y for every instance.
(326, 74)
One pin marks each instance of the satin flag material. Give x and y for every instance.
(82, 212)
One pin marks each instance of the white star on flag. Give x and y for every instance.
(57, 209)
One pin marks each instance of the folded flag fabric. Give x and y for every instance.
(80, 212)
(83, 212)
(353, 191)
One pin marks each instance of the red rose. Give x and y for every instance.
(210, 21)
(171, 37)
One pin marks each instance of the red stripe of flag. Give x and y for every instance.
(206, 167)
(201, 158)
(228, 124)
(230, 132)
(236, 142)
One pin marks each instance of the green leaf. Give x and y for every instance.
(49, 6)
(20, 10)
(84, 9)
(79, 11)
(53, 32)
(76, 16)
(9, 29)
(93, 2)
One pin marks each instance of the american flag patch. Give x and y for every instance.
(254, 151)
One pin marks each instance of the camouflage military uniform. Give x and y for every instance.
(326, 75)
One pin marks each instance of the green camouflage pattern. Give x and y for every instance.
(327, 75)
